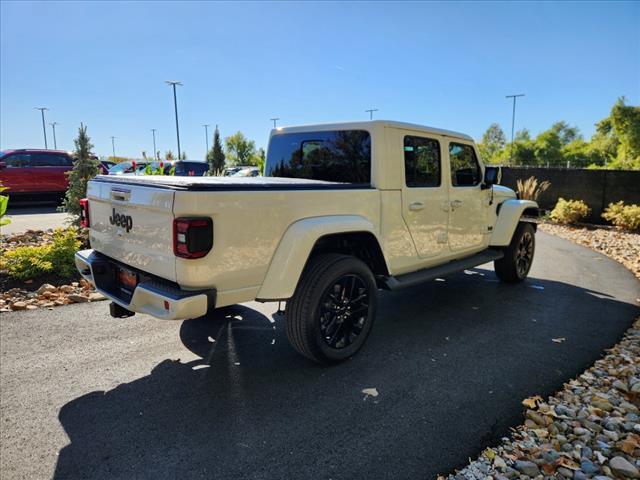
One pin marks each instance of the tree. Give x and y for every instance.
(566, 133)
(261, 159)
(215, 156)
(547, 148)
(183, 155)
(168, 155)
(240, 150)
(85, 167)
(492, 143)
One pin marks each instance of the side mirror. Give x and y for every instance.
(492, 176)
(3, 165)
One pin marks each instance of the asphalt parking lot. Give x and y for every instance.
(88, 396)
(34, 216)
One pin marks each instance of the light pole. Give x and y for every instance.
(53, 126)
(274, 120)
(371, 110)
(44, 130)
(206, 138)
(113, 147)
(155, 154)
(513, 122)
(175, 106)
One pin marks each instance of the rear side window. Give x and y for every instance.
(335, 156)
(421, 162)
(18, 160)
(51, 160)
(465, 170)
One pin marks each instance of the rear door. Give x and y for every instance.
(467, 200)
(425, 194)
(134, 225)
(50, 171)
(17, 174)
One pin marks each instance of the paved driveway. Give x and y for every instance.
(88, 396)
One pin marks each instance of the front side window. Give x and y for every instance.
(421, 162)
(18, 160)
(51, 160)
(465, 169)
(335, 156)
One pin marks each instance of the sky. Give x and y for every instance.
(447, 65)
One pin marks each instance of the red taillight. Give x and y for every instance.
(84, 213)
(192, 237)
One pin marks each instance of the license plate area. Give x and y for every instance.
(126, 280)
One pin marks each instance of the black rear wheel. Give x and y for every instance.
(518, 256)
(332, 311)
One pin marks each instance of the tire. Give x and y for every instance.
(518, 256)
(332, 311)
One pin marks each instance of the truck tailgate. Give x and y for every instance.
(133, 224)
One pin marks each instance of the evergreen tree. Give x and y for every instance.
(85, 167)
(215, 156)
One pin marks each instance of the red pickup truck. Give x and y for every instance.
(33, 171)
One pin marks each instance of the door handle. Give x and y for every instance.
(455, 203)
(415, 206)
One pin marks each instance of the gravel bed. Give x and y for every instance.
(591, 428)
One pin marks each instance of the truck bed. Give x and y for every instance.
(226, 183)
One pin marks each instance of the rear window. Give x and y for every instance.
(335, 156)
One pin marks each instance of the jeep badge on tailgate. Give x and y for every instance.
(120, 220)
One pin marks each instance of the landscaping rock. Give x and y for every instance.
(77, 298)
(46, 288)
(620, 466)
(96, 297)
(18, 306)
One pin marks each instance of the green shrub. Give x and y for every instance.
(29, 262)
(623, 216)
(4, 201)
(569, 211)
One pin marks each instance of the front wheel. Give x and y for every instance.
(332, 311)
(518, 256)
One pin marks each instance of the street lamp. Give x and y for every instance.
(53, 126)
(175, 106)
(153, 131)
(206, 138)
(513, 121)
(113, 147)
(274, 120)
(44, 130)
(371, 110)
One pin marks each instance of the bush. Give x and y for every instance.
(623, 216)
(530, 189)
(569, 211)
(29, 262)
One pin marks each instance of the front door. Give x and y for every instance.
(425, 195)
(467, 200)
(17, 175)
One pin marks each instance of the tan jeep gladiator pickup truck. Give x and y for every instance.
(343, 210)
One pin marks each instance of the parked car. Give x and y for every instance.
(126, 167)
(106, 164)
(33, 171)
(184, 168)
(229, 171)
(247, 172)
(332, 222)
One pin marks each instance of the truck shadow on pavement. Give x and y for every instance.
(451, 360)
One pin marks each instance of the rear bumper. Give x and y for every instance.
(152, 295)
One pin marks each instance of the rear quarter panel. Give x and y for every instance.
(248, 227)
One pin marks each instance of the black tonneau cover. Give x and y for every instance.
(226, 183)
